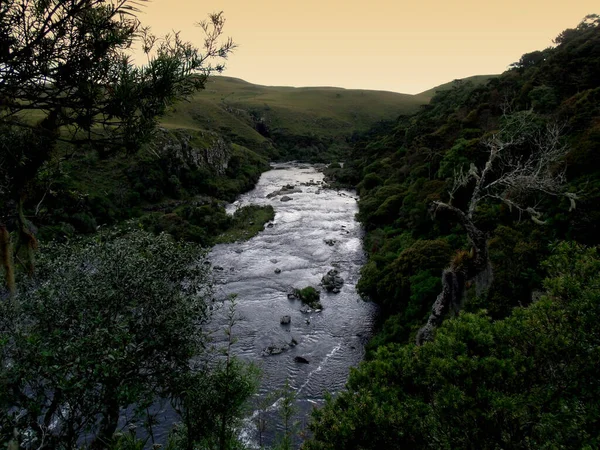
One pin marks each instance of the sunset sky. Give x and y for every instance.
(403, 46)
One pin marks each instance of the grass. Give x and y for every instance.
(248, 221)
(309, 296)
(238, 110)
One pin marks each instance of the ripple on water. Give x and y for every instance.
(331, 340)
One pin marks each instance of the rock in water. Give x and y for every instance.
(285, 198)
(285, 320)
(332, 282)
(278, 270)
(301, 360)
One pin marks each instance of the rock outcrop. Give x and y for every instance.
(184, 149)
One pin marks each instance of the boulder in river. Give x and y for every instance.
(285, 320)
(274, 350)
(278, 270)
(301, 360)
(332, 282)
(330, 242)
(287, 189)
(285, 198)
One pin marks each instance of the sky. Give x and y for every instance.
(392, 45)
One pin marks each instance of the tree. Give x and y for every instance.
(523, 161)
(212, 398)
(529, 381)
(107, 323)
(65, 76)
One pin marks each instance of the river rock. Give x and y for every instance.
(270, 225)
(285, 320)
(287, 189)
(218, 268)
(277, 349)
(301, 360)
(274, 350)
(285, 198)
(332, 282)
(278, 270)
(330, 242)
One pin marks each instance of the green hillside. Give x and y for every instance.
(286, 122)
(481, 214)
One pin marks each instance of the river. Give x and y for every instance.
(331, 340)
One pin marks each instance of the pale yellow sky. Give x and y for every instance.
(402, 46)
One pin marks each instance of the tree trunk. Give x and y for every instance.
(27, 239)
(454, 279)
(110, 421)
(6, 257)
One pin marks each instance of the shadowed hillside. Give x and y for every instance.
(475, 80)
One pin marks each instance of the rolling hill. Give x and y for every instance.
(286, 122)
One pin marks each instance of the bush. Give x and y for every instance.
(310, 296)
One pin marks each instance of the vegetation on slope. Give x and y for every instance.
(475, 80)
(286, 123)
(504, 372)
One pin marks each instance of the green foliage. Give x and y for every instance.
(458, 157)
(213, 398)
(543, 99)
(176, 226)
(310, 296)
(509, 368)
(286, 123)
(246, 223)
(67, 77)
(392, 283)
(107, 323)
(287, 410)
(515, 383)
(406, 166)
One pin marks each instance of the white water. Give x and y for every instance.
(331, 340)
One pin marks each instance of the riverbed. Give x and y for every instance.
(312, 233)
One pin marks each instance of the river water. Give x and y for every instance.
(331, 340)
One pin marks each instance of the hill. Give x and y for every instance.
(488, 318)
(475, 80)
(313, 123)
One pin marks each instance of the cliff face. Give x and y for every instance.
(191, 150)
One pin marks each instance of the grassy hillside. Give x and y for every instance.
(288, 122)
(242, 125)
